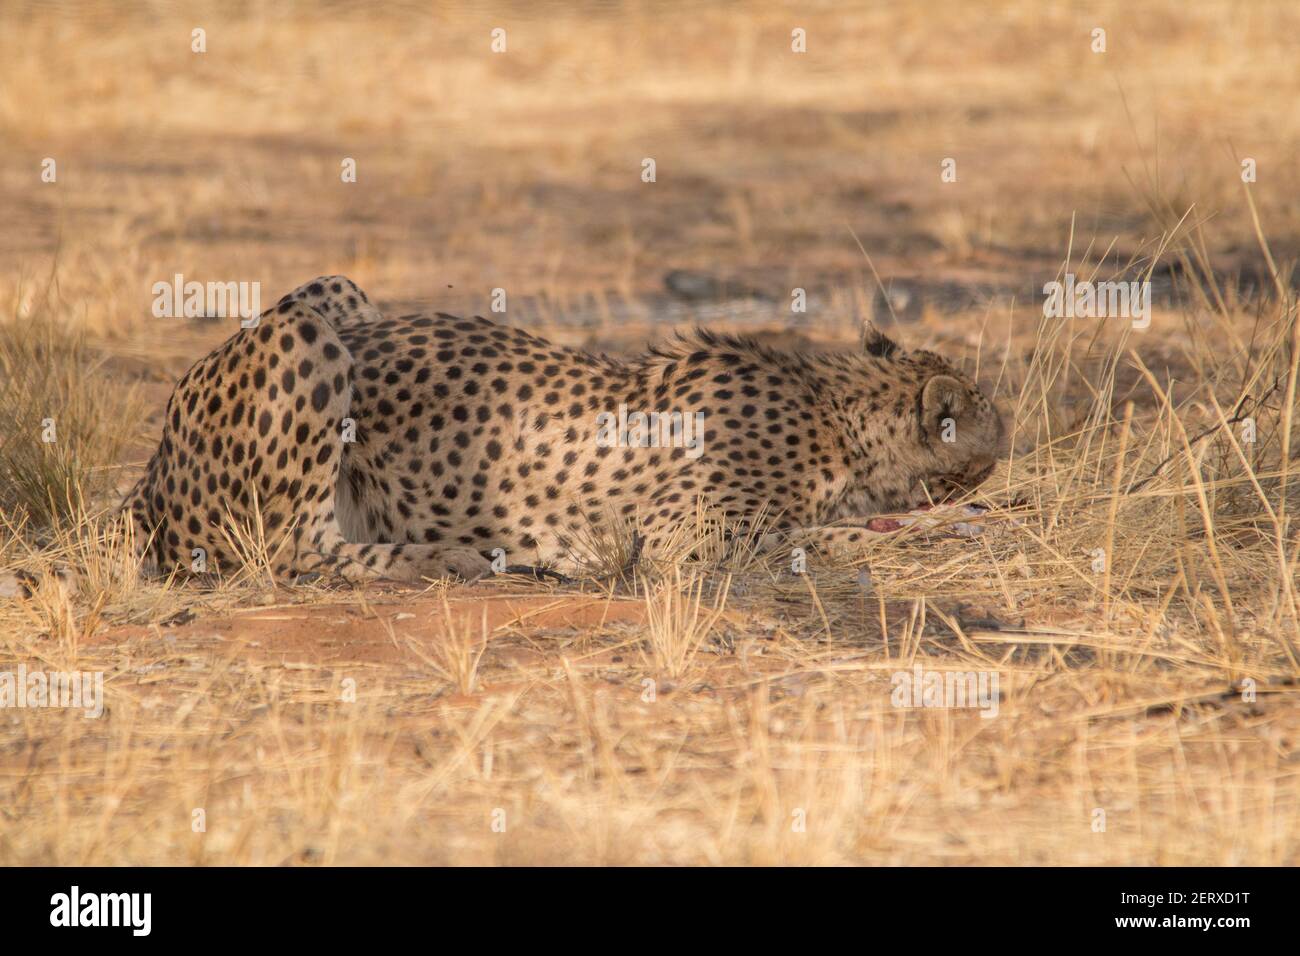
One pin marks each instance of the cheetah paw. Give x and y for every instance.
(464, 563)
(25, 584)
(14, 584)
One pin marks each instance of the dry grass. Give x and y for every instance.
(63, 418)
(679, 621)
(1140, 610)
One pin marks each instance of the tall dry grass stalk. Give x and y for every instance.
(680, 618)
(455, 653)
(257, 554)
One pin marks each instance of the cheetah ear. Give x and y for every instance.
(942, 398)
(877, 343)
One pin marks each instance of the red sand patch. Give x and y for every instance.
(377, 631)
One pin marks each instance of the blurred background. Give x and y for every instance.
(521, 167)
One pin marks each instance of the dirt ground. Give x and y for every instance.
(722, 710)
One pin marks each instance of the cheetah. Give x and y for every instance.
(371, 447)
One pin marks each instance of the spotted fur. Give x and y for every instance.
(472, 436)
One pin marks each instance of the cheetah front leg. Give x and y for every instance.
(331, 555)
(856, 534)
(847, 541)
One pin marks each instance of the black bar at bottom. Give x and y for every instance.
(658, 906)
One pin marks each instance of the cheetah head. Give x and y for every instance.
(944, 435)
